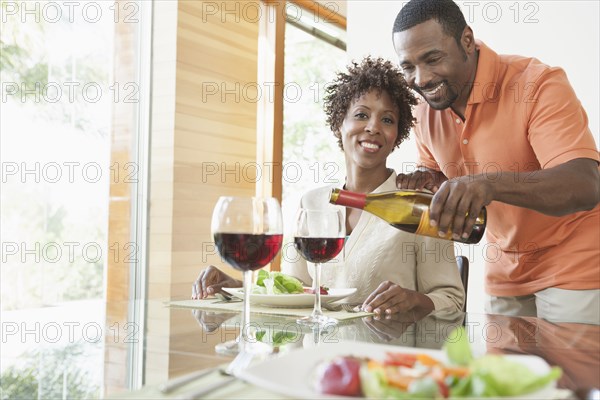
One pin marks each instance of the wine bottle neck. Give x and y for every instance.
(348, 199)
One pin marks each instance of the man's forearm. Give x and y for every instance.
(570, 187)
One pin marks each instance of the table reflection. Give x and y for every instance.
(573, 347)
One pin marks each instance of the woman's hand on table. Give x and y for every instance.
(390, 298)
(210, 281)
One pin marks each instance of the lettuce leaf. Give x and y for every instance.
(286, 283)
(278, 283)
(260, 279)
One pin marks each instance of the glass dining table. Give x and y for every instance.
(186, 345)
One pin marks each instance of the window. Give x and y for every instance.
(314, 52)
(63, 98)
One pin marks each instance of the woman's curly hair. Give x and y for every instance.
(370, 74)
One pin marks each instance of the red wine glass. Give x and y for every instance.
(319, 237)
(248, 232)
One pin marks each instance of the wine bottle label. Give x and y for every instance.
(425, 229)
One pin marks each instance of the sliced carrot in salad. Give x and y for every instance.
(427, 360)
(459, 372)
(400, 359)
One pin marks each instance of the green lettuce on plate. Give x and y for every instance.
(276, 283)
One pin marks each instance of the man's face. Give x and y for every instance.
(434, 64)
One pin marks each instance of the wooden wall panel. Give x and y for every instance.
(212, 130)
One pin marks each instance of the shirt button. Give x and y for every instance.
(458, 120)
(465, 141)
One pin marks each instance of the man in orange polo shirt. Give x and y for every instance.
(506, 132)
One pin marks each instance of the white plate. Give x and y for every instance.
(292, 300)
(292, 374)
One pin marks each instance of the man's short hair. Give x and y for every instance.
(445, 12)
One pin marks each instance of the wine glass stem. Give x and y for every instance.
(317, 288)
(246, 335)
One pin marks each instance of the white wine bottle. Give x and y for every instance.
(407, 210)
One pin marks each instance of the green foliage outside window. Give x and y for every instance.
(38, 215)
(309, 145)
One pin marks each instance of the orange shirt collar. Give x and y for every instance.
(485, 83)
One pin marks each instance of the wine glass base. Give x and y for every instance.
(319, 320)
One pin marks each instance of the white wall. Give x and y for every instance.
(559, 33)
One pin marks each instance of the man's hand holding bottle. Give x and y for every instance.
(456, 203)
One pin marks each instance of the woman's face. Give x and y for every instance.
(370, 129)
